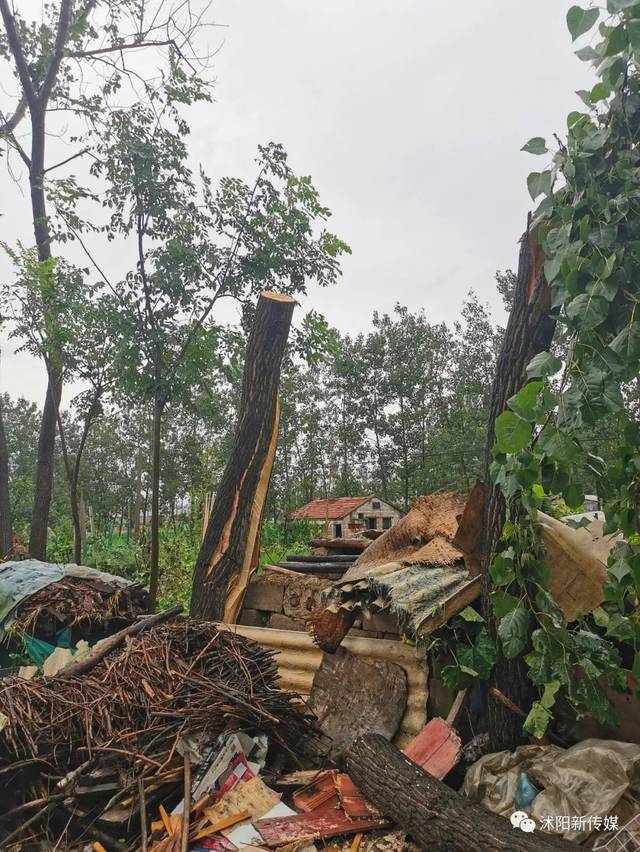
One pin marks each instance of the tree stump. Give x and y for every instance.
(230, 548)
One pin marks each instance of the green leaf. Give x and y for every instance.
(503, 603)
(537, 720)
(558, 446)
(512, 432)
(587, 54)
(573, 496)
(470, 614)
(587, 311)
(502, 570)
(620, 628)
(525, 402)
(513, 631)
(616, 40)
(599, 93)
(539, 183)
(627, 342)
(537, 145)
(635, 669)
(620, 5)
(543, 364)
(600, 616)
(633, 30)
(549, 695)
(581, 20)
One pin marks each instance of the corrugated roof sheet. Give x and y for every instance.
(334, 508)
(414, 570)
(298, 660)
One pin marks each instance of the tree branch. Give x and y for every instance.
(15, 46)
(10, 124)
(58, 51)
(117, 48)
(68, 160)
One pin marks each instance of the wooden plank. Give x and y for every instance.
(332, 557)
(278, 831)
(436, 749)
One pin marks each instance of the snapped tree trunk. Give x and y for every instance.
(230, 548)
(154, 564)
(6, 537)
(529, 331)
(436, 817)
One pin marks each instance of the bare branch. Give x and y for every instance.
(64, 21)
(15, 46)
(68, 160)
(117, 48)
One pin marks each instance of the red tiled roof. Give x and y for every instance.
(333, 508)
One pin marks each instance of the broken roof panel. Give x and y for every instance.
(414, 570)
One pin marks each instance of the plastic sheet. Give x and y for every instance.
(594, 778)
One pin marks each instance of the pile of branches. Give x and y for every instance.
(82, 755)
(83, 604)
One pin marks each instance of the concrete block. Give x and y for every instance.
(265, 592)
(253, 617)
(282, 622)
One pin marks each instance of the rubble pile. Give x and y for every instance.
(93, 739)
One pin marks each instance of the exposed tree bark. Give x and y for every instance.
(436, 818)
(529, 331)
(6, 536)
(230, 547)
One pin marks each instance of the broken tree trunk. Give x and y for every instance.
(529, 331)
(435, 816)
(230, 548)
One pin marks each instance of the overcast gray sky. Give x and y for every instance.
(409, 116)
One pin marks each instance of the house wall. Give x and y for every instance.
(352, 523)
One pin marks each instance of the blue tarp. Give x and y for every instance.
(20, 580)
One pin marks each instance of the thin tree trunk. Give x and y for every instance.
(137, 501)
(435, 817)
(154, 565)
(529, 331)
(230, 547)
(6, 534)
(83, 517)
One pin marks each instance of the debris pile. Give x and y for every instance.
(105, 733)
(44, 605)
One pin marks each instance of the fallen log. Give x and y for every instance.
(436, 817)
(317, 568)
(230, 547)
(355, 545)
(107, 645)
(332, 557)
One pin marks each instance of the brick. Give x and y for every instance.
(265, 593)
(253, 617)
(283, 622)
